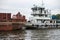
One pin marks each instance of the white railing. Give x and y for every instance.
(58, 23)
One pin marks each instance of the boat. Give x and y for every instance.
(42, 18)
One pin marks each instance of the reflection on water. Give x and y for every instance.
(47, 34)
(11, 35)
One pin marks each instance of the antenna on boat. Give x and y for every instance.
(35, 5)
(42, 3)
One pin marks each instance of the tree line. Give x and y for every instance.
(57, 16)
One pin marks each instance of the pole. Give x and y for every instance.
(42, 2)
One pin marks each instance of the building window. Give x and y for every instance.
(4, 17)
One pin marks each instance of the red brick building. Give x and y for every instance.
(5, 16)
(7, 23)
(18, 18)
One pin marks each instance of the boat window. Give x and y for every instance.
(41, 15)
(45, 15)
(50, 21)
(43, 21)
(29, 21)
(54, 21)
(44, 11)
(38, 19)
(34, 9)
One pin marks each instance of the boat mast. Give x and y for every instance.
(42, 3)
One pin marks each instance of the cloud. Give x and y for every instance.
(55, 11)
(52, 4)
(29, 3)
(24, 6)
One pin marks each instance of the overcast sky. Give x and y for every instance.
(24, 6)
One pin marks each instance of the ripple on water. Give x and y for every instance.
(50, 34)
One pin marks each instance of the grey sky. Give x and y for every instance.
(24, 6)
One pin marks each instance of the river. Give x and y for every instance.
(42, 34)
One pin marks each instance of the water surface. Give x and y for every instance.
(44, 34)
